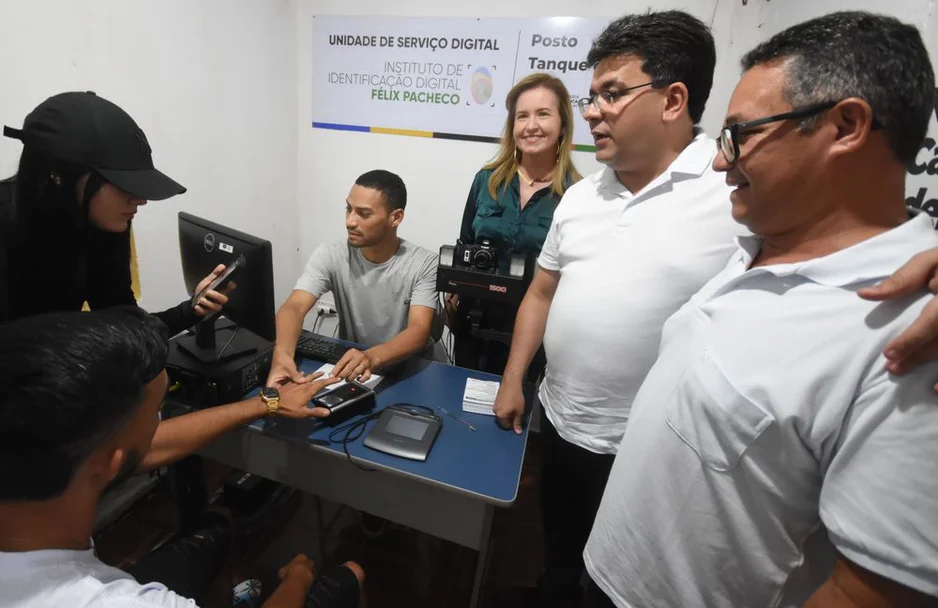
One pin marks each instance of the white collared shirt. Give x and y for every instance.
(769, 433)
(58, 578)
(627, 262)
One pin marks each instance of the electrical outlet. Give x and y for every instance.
(326, 310)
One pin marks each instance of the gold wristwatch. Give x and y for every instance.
(271, 398)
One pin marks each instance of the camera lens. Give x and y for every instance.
(483, 259)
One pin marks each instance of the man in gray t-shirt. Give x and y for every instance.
(384, 287)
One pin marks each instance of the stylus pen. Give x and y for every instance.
(454, 417)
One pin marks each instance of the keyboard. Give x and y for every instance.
(312, 346)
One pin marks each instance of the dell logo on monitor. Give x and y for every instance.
(209, 242)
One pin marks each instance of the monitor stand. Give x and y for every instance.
(211, 345)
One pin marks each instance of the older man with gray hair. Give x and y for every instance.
(770, 458)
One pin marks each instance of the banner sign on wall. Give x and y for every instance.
(447, 78)
(921, 186)
(441, 77)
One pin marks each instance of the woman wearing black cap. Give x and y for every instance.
(85, 169)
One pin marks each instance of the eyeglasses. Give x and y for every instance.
(607, 98)
(728, 140)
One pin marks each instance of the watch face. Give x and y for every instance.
(269, 392)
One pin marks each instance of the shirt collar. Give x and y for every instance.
(696, 157)
(608, 182)
(869, 260)
(11, 562)
(690, 163)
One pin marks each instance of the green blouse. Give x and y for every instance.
(512, 229)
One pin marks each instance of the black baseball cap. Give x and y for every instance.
(90, 131)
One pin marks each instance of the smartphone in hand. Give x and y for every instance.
(221, 280)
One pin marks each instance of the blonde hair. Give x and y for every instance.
(505, 164)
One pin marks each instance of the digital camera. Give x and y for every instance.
(481, 255)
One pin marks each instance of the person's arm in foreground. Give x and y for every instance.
(851, 586)
(879, 497)
(415, 337)
(525, 340)
(919, 343)
(289, 324)
(180, 436)
(315, 281)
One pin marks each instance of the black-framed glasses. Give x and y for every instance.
(728, 140)
(607, 98)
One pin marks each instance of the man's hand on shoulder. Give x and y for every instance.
(919, 343)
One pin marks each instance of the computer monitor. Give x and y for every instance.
(202, 246)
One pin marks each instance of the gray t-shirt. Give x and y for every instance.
(372, 300)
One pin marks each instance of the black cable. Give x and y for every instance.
(358, 428)
(448, 330)
(225, 347)
(409, 407)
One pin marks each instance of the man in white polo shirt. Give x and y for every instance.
(627, 247)
(770, 458)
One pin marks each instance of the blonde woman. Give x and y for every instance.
(512, 201)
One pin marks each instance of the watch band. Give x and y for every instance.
(272, 403)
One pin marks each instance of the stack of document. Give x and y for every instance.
(326, 370)
(479, 396)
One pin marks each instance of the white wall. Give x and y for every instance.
(213, 85)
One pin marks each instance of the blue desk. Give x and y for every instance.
(452, 495)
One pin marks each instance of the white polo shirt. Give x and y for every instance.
(76, 579)
(627, 262)
(769, 433)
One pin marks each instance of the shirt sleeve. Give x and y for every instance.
(879, 496)
(424, 292)
(179, 317)
(317, 276)
(549, 258)
(128, 593)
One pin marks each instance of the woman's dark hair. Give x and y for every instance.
(46, 189)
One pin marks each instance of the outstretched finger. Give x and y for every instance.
(915, 274)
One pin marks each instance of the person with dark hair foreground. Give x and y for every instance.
(384, 287)
(80, 411)
(65, 216)
(771, 458)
